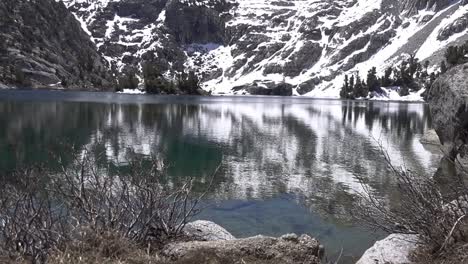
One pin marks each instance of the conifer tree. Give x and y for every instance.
(443, 67)
(373, 83)
(351, 84)
(386, 80)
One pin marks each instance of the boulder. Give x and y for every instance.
(448, 98)
(430, 137)
(289, 249)
(395, 249)
(202, 230)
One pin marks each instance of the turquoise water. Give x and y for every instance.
(286, 164)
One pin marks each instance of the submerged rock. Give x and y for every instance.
(207, 231)
(430, 137)
(395, 249)
(289, 249)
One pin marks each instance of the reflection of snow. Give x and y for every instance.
(268, 147)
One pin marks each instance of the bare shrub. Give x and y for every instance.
(422, 209)
(31, 224)
(46, 210)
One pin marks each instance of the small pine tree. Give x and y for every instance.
(373, 83)
(358, 88)
(20, 77)
(345, 89)
(443, 67)
(426, 65)
(386, 80)
(188, 83)
(132, 81)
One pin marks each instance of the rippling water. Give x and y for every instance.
(286, 164)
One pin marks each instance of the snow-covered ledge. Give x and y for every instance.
(394, 249)
(132, 91)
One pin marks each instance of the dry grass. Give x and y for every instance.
(456, 254)
(107, 248)
(92, 248)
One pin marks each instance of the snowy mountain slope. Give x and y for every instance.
(248, 44)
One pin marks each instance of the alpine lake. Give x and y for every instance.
(286, 164)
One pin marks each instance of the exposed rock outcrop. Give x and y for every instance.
(288, 249)
(190, 22)
(395, 249)
(412, 6)
(43, 45)
(448, 99)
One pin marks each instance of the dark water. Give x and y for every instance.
(286, 164)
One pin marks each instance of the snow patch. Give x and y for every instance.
(131, 91)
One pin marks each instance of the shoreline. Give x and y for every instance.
(140, 94)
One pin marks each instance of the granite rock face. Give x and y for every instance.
(42, 45)
(413, 6)
(448, 100)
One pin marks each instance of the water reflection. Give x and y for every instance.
(267, 148)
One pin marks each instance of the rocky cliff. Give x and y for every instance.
(43, 45)
(254, 45)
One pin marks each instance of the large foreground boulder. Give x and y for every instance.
(288, 249)
(448, 100)
(395, 249)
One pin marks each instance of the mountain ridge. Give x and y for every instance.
(299, 47)
(306, 44)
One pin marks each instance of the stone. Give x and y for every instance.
(430, 137)
(395, 249)
(448, 100)
(206, 231)
(258, 250)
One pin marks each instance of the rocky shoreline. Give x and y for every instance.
(211, 243)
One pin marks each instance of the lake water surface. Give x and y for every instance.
(286, 164)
